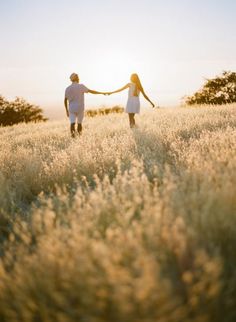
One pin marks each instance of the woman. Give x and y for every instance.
(133, 103)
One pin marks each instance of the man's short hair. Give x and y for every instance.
(74, 77)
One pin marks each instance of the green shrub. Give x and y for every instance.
(217, 91)
(19, 111)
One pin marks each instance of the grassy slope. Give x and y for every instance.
(120, 224)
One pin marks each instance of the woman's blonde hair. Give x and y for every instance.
(135, 79)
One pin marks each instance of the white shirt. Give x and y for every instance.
(75, 94)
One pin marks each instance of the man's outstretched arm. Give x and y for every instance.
(66, 106)
(94, 92)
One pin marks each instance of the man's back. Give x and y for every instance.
(75, 94)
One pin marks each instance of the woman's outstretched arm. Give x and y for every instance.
(147, 98)
(118, 90)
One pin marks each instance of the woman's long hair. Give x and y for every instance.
(135, 79)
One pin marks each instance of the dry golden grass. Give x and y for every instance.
(120, 225)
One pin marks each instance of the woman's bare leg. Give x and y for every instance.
(131, 120)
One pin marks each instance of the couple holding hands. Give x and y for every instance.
(74, 94)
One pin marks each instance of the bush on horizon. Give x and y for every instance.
(216, 91)
(19, 111)
(104, 111)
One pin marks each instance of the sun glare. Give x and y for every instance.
(112, 68)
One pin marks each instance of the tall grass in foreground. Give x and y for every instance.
(120, 225)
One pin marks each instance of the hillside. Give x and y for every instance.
(119, 224)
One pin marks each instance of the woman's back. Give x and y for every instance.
(133, 92)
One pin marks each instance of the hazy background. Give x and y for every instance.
(172, 44)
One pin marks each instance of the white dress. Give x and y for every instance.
(133, 103)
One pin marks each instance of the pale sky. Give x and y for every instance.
(172, 44)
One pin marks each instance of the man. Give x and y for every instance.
(75, 95)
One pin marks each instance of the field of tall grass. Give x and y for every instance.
(120, 225)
